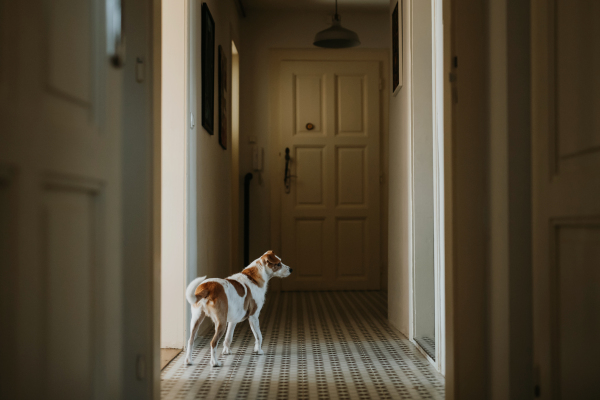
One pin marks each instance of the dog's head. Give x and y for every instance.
(273, 264)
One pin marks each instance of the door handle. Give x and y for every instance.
(115, 29)
(287, 177)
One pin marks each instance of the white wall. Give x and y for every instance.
(211, 164)
(196, 171)
(173, 166)
(261, 31)
(400, 246)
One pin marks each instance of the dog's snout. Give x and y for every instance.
(291, 270)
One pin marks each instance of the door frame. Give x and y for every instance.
(440, 164)
(488, 200)
(174, 167)
(276, 57)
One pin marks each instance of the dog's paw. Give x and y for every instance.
(260, 352)
(188, 361)
(216, 363)
(226, 351)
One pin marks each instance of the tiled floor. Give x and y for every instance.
(318, 345)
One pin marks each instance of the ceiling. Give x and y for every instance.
(318, 5)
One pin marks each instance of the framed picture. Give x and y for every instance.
(397, 48)
(208, 70)
(223, 113)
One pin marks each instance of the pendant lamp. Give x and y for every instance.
(336, 37)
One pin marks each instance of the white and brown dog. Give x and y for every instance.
(232, 300)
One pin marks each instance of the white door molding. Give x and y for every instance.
(175, 122)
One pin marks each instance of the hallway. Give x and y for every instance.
(326, 345)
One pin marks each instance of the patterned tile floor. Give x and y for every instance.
(318, 345)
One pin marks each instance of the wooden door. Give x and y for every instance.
(566, 226)
(60, 179)
(330, 122)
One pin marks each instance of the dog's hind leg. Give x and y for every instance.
(214, 343)
(197, 318)
(228, 338)
(257, 335)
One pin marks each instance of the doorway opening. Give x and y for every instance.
(329, 143)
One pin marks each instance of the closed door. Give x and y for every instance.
(60, 179)
(330, 122)
(566, 150)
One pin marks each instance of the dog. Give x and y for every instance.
(232, 300)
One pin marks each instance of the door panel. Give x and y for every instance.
(577, 83)
(309, 176)
(351, 105)
(70, 231)
(566, 151)
(351, 175)
(578, 299)
(309, 104)
(330, 217)
(309, 246)
(351, 254)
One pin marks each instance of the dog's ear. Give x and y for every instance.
(271, 257)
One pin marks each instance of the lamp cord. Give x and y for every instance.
(336, 13)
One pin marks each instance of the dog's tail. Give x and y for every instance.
(191, 289)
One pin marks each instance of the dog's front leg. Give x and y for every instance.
(228, 337)
(257, 335)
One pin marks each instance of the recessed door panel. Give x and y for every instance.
(69, 49)
(309, 104)
(351, 175)
(577, 83)
(309, 247)
(350, 105)
(351, 252)
(578, 295)
(71, 252)
(8, 282)
(309, 176)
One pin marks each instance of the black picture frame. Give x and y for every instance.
(223, 109)
(208, 70)
(397, 48)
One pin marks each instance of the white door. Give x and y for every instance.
(330, 122)
(566, 150)
(60, 231)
